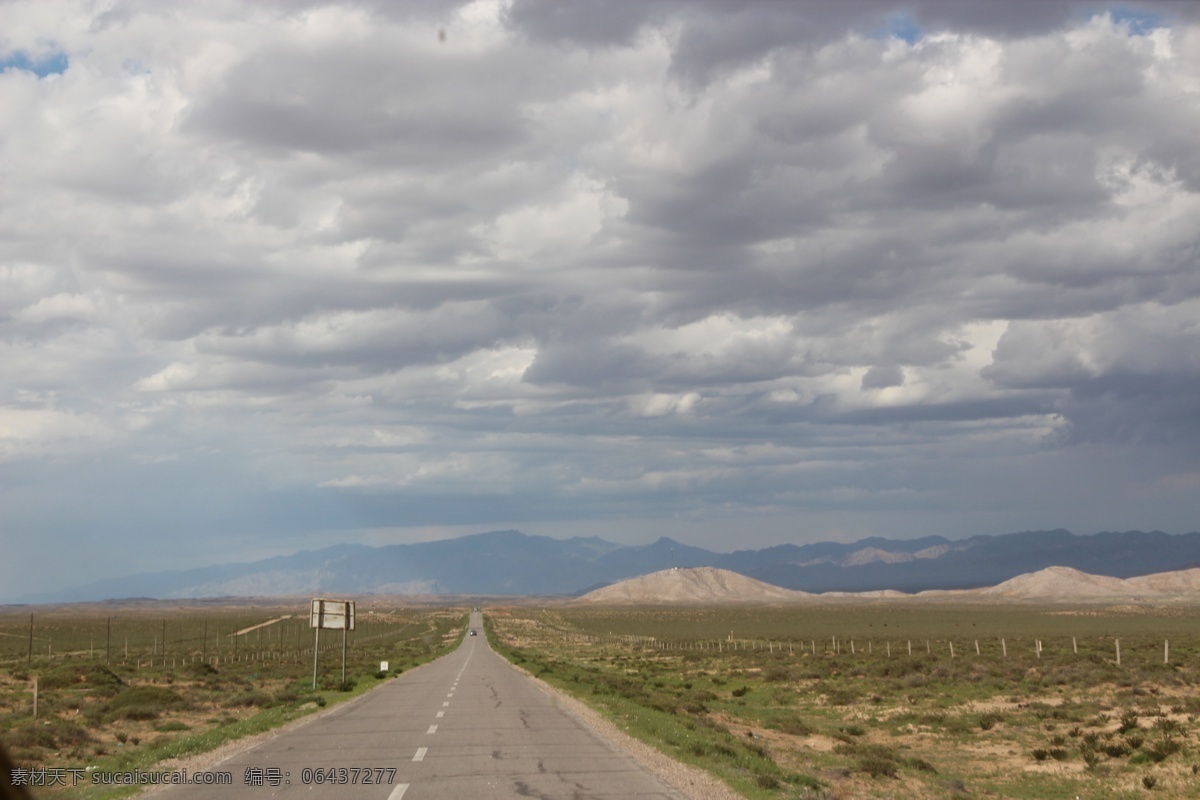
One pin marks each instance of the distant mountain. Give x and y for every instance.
(510, 562)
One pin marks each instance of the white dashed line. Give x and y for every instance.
(445, 704)
(432, 729)
(398, 792)
(441, 714)
(420, 756)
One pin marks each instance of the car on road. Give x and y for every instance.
(473, 632)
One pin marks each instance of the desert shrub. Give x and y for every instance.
(1149, 781)
(1059, 754)
(767, 781)
(286, 696)
(50, 734)
(1040, 754)
(95, 678)
(878, 767)
(1129, 721)
(988, 721)
(1167, 725)
(1163, 748)
(842, 697)
(777, 674)
(741, 691)
(794, 726)
(171, 726)
(134, 713)
(1117, 750)
(249, 700)
(712, 724)
(155, 697)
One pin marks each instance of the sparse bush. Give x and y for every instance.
(249, 699)
(767, 781)
(878, 767)
(988, 721)
(795, 726)
(171, 726)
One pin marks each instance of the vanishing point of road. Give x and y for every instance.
(468, 726)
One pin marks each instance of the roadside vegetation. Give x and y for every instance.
(859, 700)
(138, 711)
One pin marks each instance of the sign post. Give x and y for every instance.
(333, 615)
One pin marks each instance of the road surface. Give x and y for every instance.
(466, 726)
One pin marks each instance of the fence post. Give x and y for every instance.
(1004, 648)
(1118, 643)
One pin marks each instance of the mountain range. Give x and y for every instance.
(514, 563)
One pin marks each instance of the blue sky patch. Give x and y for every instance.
(1140, 21)
(902, 26)
(53, 64)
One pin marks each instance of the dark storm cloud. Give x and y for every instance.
(616, 260)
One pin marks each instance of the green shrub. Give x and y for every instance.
(794, 726)
(154, 697)
(95, 678)
(878, 767)
(988, 721)
(171, 726)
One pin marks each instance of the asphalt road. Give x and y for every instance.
(466, 726)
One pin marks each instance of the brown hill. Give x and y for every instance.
(686, 586)
(709, 585)
(1054, 582)
(1065, 583)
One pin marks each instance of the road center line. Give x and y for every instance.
(441, 714)
(398, 792)
(432, 729)
(420, 756)
(445, 704)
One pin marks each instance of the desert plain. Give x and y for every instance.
(1039, 689)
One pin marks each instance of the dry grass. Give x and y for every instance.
(864, 724)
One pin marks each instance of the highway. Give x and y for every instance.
(468, 726)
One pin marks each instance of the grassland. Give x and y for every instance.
(112, 695)
(826, 701)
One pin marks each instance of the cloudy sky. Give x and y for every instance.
(275, 276)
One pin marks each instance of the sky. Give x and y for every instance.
(281, 275)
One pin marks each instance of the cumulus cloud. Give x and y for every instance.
(588, 261)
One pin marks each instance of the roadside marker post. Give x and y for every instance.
(333, 615)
